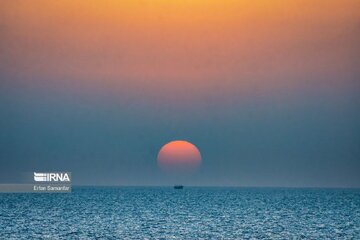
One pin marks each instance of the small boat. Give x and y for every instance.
(178, 186)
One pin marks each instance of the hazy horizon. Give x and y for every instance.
(269, 92)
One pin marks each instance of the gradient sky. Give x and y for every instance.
(267, 90)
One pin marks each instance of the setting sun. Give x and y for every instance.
(179, 156)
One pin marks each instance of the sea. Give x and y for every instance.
(189, 213)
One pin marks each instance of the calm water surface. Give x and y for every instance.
(190, 213)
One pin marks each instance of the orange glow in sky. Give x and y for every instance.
(180, 49)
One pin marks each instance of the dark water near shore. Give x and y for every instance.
(190, 213)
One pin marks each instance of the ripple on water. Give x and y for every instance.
(191, 213)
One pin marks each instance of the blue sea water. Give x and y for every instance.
(190, 213)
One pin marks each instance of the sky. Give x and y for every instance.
(267, 90)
